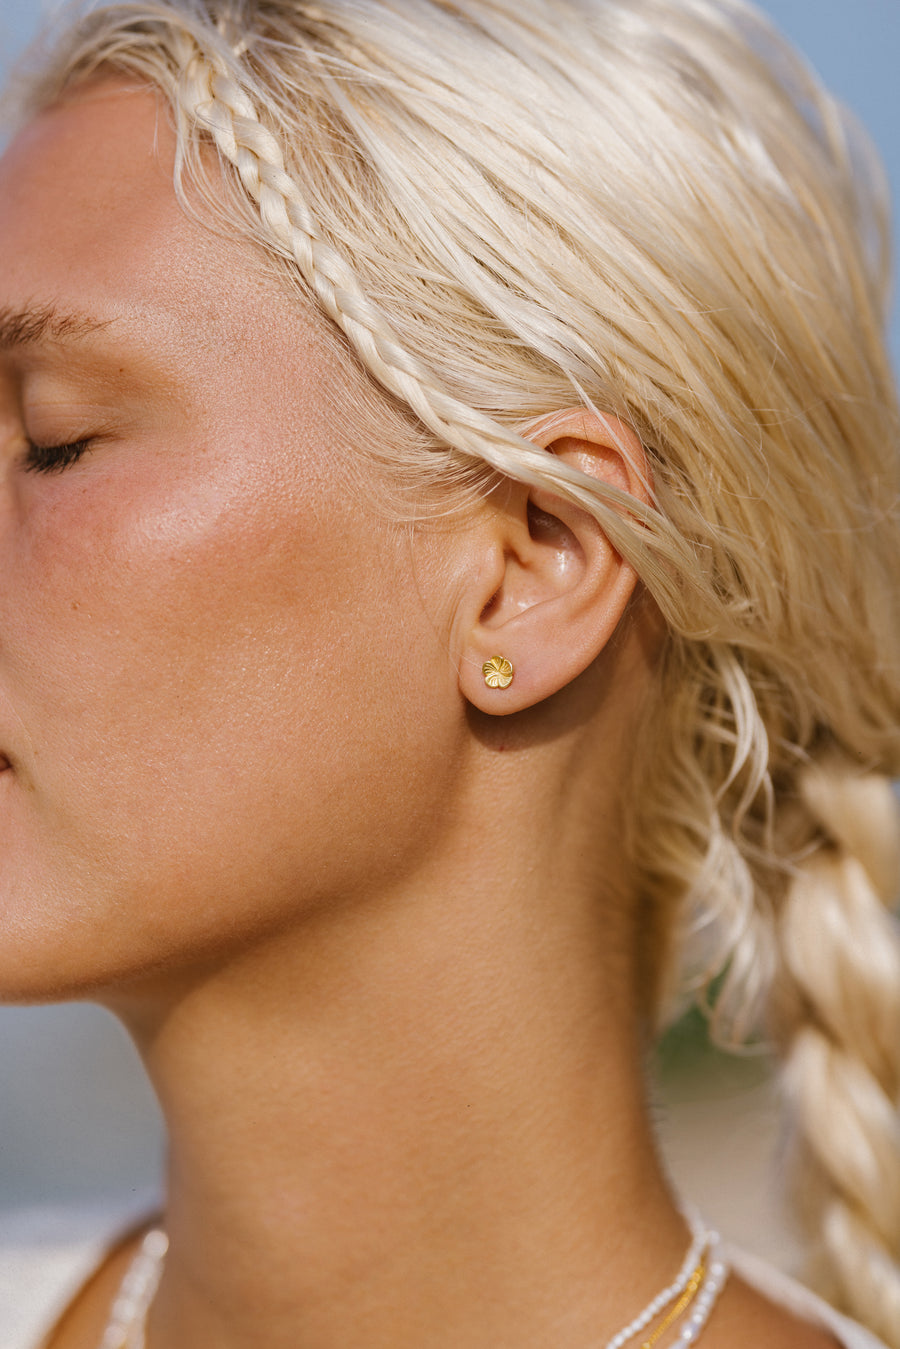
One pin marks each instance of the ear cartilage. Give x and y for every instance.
(498, 672)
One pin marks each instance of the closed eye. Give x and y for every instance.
(54, 458)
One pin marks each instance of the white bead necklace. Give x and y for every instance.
(713, 1283)
(128, 1318)
(126, 1328)
(700, 1239)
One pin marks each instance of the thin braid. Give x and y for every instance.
(212, 99)
(840, 1025)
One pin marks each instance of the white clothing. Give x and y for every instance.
(46, 1256)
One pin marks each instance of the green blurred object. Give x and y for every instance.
(686, 1062)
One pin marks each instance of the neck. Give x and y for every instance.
(367, 1160)
(417, 1121)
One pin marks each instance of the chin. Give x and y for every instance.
(60, 950)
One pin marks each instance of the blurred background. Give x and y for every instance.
(77, 1121)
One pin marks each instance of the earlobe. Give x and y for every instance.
(563, 588)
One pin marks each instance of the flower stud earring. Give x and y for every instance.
(498, 672)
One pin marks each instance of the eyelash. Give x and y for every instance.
(54, 458)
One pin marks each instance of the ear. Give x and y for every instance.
(548, 588)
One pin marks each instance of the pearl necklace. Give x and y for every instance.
(698, 1285)
(128, 1318)
(700, 1239)
(716, 1274)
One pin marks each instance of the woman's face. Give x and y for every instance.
(219, 682)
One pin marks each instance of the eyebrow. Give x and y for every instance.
(34, 324)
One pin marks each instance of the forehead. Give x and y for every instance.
(90, 224)
(92, 233)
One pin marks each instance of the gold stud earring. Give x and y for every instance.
(498, 672)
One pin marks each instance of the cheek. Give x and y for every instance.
(144, 609)
(207, 693)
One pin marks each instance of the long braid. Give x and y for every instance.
(839, 1024)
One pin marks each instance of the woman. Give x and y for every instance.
(449, 545)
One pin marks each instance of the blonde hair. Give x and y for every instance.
(649, 207)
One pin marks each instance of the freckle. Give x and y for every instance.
(75, 604)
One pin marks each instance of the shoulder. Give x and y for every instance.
(796, 1298)
(46, 1257)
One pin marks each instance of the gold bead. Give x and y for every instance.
(498, 672)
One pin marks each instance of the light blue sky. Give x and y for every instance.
(854, 44)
